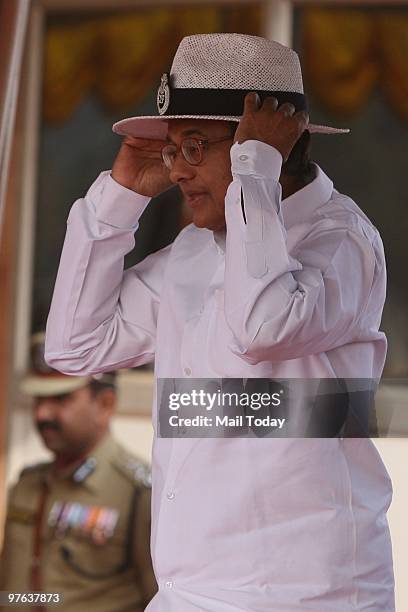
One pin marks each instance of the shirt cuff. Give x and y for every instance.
(256, 158)
(114, 204)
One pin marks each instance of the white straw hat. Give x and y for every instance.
(210, 76)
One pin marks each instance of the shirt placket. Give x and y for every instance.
(193, 356)
(192, 359)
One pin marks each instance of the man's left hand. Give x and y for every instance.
(279, 127)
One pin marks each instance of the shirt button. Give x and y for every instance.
(187, 371)
(170, 495)
(243, 157)
(169, 584)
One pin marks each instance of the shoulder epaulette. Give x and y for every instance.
(136, 470)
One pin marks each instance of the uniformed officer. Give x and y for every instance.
(79, 525)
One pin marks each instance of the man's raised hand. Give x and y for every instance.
(279, 127)
(139, 166)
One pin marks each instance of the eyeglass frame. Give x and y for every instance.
(201, 143)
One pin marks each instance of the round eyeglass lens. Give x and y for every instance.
(191, 151)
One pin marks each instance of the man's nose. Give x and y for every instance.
(181, 169)
(44, 409)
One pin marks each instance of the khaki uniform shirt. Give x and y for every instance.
(85, 534)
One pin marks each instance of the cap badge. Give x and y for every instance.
(163, 94)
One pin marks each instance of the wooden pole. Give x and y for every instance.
(13, 20)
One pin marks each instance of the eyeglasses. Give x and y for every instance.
(192, 150)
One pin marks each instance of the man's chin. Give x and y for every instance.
(51, 439)
(202, 222)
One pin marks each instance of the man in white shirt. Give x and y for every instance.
(256, 287)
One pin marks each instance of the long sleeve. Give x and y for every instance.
(101, 317)
(283, 305)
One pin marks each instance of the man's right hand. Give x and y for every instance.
(139, 166)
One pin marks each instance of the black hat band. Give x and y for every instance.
(222, 102)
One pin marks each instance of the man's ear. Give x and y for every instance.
(107, 404)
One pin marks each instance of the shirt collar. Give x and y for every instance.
(102, 454)
(93, 471)
(300, 205)
(297, 207)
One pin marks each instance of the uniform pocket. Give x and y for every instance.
(86, 560)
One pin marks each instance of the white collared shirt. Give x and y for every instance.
(296, 291)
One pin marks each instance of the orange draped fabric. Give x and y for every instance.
(347, 52)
